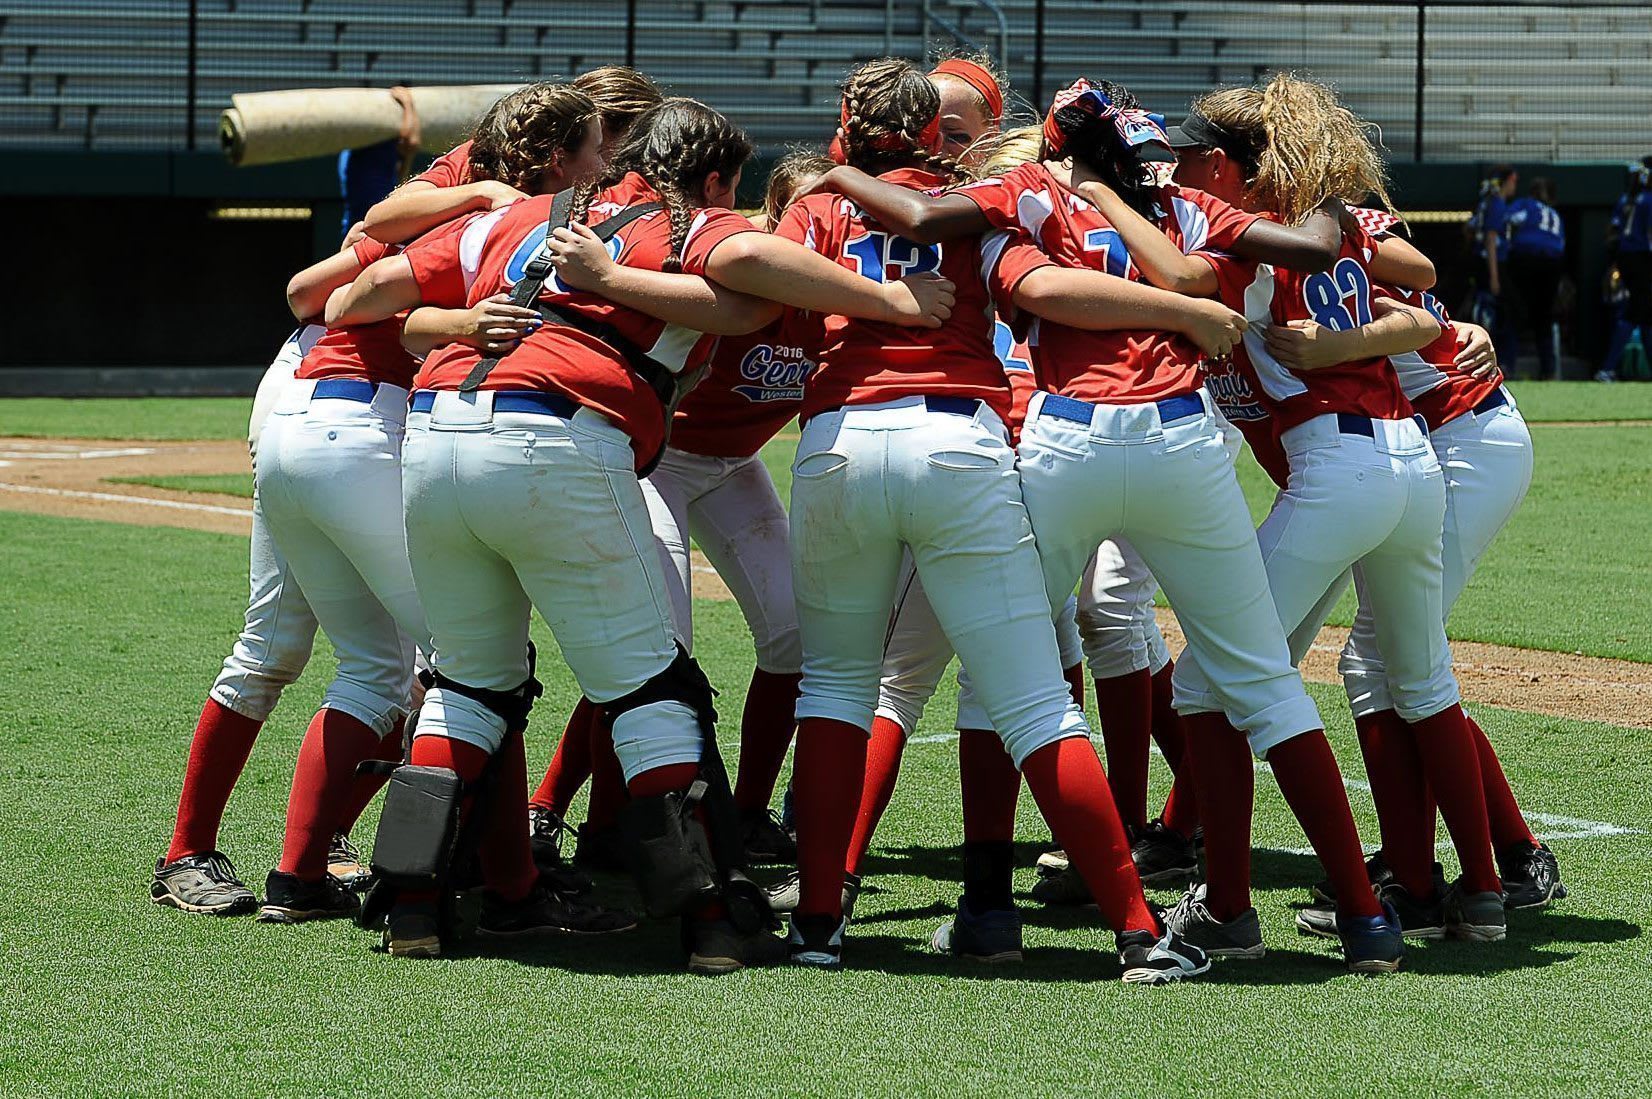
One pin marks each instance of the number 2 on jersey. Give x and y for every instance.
(1328, 293)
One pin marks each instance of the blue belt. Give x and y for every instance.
(954, 406)
(345, 389)
(1081, 412)
(1495, 399)
(1351, 424)
(550, 404)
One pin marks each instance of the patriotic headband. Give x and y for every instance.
(1136, 128)
(929, 139)
(978, 78)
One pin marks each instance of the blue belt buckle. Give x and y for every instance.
(344, 389)
(1067, 408)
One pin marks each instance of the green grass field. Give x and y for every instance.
(113, 634)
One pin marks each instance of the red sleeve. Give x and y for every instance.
(1227, 223)
(711, 227)
(450, 169)
(437, 268)
(1233, 276)
(369, 250)
(1006, 259)
(996, 198)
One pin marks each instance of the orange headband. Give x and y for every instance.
(930, 138)
(977, 77)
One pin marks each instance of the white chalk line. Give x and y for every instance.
(122, 498)
(76, 455)
(1560, 827)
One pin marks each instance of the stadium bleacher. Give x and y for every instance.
(1507, 81)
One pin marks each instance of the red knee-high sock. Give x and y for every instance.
(1125, 706)
(1225, 785)
(1306, 770)
(766, 727)
(571, 765)
(217, 754)
(1452, 765)
(990, 787)
(883, 765)
(1508, 823)
(1067, 781)
(505, 853)
(322, 783)
(829, 769)
(608, 794)
(366, 787)
(1181, 808)
(1405, 810)
(1075, 682)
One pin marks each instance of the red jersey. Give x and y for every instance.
(1016, 358)
(1197, 221)
(451, 169)
(1119, 367)
(1437, 389)
(754, 389)
(370, 351)
(1339, 299)
(485, 254)
(865, 362)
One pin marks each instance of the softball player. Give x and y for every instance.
(899, 455)
(522, 490)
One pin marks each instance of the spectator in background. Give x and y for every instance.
(367, 174)
(1537, 261)
(1492, 310)
(1630, 240)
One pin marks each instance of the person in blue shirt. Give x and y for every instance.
(367, 174)
(1536, 262)
(1629, 237)
(1487, 231)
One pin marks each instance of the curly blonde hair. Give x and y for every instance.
(1307, 146)
(520, 135)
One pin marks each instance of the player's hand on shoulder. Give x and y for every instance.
(919, 301)
(496, 326)
(1214, 327)
(580, 257)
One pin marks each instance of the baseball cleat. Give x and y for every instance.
(764, 839)
(206, 884)
(1531, 875)
(1196, 924)
(1477, 917)
(715, 946)
(1418, 919)
(1061, 888)
(1379, 873)
(288, 899)
(599, 848)
(784, 895)
(413, 931)
(816, 941)
(545, 912)
(545, 832)
(1155, 961)
(344, 863)
(1163, 857)
(991, 938)
(1053, 862)
(1373, 944)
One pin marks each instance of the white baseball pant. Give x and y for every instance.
(513, 511)
(730, 507)
(1169, 488)
(872, 480)
(1116, 623)
(329, 478)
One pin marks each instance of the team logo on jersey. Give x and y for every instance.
(773, 374)
(534, 244)
(1233, 395)
(884, 257)
(1003, 345)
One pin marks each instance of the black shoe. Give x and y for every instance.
(1163, 857)
(206, 884)
(413, 931)
(1478, 917)
(1194, 922)
(599, 848)
(764, 838)
(1418, 919)
(716, 946)
(992, 937)
(288, 899)
(1373, 944)
(545, 832)
(344, 862)
(1062, 888)
(1531, 875)
(1156, 961)
(1380, 874)
(784, 895)
(817, 941)
(544, 912)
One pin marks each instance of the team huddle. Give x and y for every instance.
(1022, 361)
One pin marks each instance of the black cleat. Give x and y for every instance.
(1418, 919)
(1373, 944)
(206, 884)
(545, 832)
(715, 946)
(1156, 961)
(413, 931)
(764, 838)
(1531, 875)
(1380, 874)
(545, 912)
(288, 899)
(1478, 917)
(817, 941)
(1197, 925)
(1064, 887)
(992, 937)
(1163, 857)
(600, 848)
(344, 863)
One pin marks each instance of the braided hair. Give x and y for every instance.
(1096, 142)
(887, 105)
(674, 147)
(522, 134)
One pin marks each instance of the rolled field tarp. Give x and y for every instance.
(271, 127)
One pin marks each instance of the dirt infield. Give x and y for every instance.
(69, 477)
